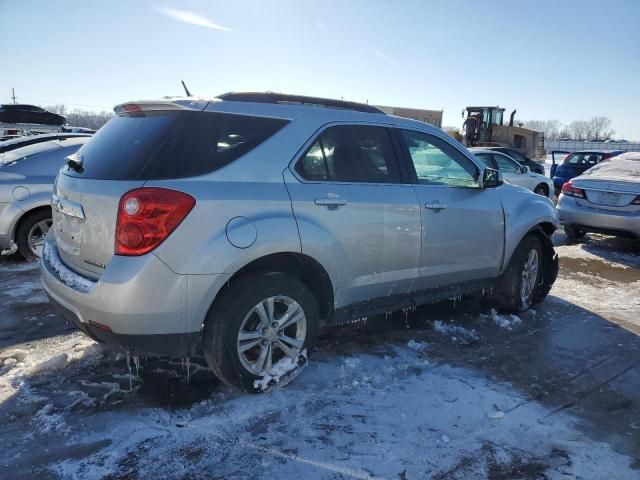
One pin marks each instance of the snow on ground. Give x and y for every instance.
(596, 261)
(393, 416)
(456, 332)
(474, 393)
(18, 364)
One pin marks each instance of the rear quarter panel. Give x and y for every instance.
(201, 244)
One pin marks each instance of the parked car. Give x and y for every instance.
(513, 172)
(604, 199)
(26, 183)
(576, 163)
(534, 166)
(19, 113)
(24, 140)
(243, 224)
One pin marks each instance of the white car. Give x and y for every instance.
(515, 173)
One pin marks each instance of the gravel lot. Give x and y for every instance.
(446, 391)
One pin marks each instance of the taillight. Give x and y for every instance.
(147, 216)
(569, 189)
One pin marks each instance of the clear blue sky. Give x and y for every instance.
(564, 60)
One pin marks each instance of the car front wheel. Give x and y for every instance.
(260, 330)
(519, 286)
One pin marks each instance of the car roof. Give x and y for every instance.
(486, 150)
(495, 148)
(284, 106)
(598, 151)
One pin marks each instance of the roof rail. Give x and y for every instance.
(270, 97)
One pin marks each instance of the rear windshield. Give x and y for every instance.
(585, 159)
(172, 144)
(13, 156)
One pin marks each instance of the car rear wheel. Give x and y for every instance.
(519, 286)
(574, 233)
(542, 189)
(32, 232)
(258, 333)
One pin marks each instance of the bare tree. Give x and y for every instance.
(600, 128)
(579, 130)
(82, 118)
(550, 128)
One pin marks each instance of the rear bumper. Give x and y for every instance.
(138, 305)
(167, 344)
(596, 220)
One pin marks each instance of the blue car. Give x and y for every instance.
(576, 163)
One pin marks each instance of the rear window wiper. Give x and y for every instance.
(74, 162)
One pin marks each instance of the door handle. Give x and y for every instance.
(435, 205)
(331, 201)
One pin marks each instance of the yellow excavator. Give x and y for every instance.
(484, 127)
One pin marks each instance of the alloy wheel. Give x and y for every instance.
(529, 276)
(273, 329)
(36, 236)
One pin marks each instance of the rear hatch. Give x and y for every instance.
(144, 141)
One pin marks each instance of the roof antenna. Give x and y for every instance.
(186, 90)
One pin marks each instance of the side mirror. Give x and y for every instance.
(524, 169)
(491, 178)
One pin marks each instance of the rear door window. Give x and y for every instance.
(506, 164)
(173, 144)
(351, 153)
(487, 159)
(515, 155)
(584, 159)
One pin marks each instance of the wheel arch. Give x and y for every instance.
(544, 185)
(543, 232)
(309, 271)
(25, 215)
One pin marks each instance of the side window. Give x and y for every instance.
(351, 153)
(506, 165)
(516, 155)
(486, 159)
(438, 163)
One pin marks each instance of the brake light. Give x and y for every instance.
(570, 190)
(147, 216)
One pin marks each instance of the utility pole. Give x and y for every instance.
(13, 96)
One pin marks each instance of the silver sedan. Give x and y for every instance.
(604, 199)
(26, 182)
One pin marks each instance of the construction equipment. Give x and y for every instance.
(487, 129)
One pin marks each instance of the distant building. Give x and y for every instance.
(433, 117)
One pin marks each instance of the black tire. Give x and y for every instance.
(507, 295)
(224, 321)
(542, 189)
(22, 233)
(573, 233)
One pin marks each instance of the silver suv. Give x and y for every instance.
(243, 224)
